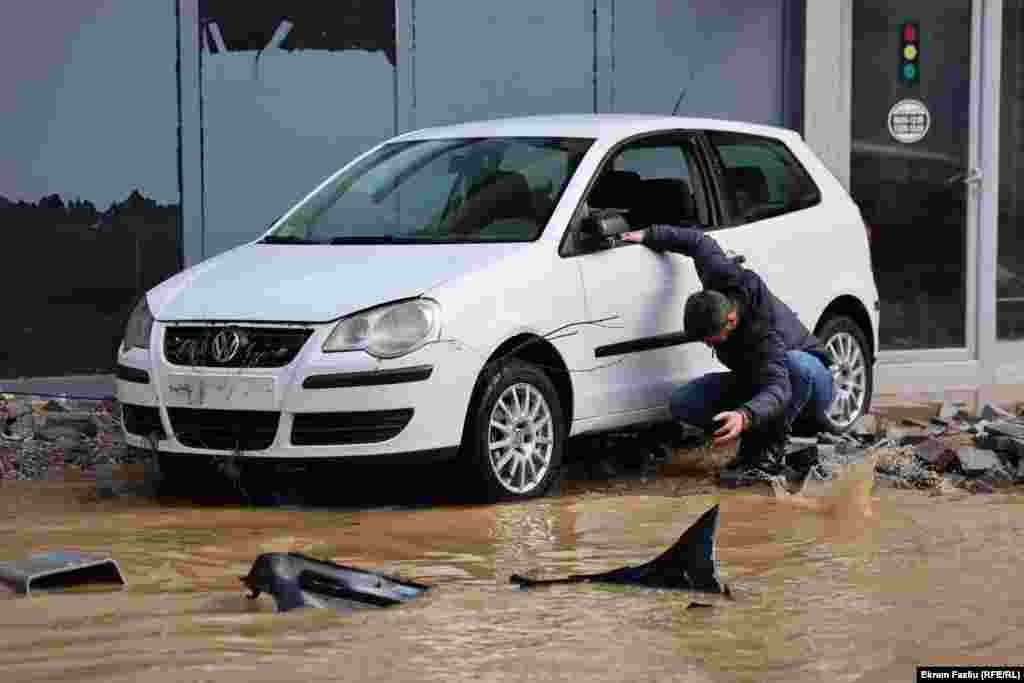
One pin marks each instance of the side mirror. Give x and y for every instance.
(603, 223)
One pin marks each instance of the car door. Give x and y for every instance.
(773, 217)
(640, 293)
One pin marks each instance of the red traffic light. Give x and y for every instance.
(909, 33)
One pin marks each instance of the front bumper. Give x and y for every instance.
(319, 405)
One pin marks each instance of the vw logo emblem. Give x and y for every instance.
(225, 345)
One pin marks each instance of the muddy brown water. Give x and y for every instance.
(842, 583)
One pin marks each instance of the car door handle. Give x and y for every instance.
(971, 177)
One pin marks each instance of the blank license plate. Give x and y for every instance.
(231, 392)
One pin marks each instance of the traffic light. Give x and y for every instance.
(910, 52)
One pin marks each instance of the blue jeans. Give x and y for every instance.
(697, 402)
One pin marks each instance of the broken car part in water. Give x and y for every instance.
(294, 580)
(59, 569)
(690, 564)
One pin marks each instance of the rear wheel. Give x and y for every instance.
(516, 432)
(852, 372)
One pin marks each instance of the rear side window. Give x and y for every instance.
(762, 177)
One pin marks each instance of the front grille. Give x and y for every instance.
(247, 430)
(331, 429)
(256, 347)
(142, 420)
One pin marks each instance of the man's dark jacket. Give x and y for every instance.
(767, 329)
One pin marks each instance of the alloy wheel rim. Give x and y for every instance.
(520, 438)
(849, 377)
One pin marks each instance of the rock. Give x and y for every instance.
(732, 479)
(1005, 445)
(974, 461)
(911, 439)
(993, 412)
(978, 486)
(937, 455)
(1014, 428)
(802, 457)
(947, 411)
(964, 416)
(83, 422)
(59, 433)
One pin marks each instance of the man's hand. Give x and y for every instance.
(632, 236)
(733, 422)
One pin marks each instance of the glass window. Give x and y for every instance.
(463, 190)
(762, 177)
(650, 179)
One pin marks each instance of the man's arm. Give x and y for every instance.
(771, 381)
(714, 268)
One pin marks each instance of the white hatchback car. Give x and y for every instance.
(448, 294)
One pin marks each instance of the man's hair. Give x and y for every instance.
(705, 313)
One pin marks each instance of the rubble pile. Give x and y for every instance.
(41, 438)
(951, 450)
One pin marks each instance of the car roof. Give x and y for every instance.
(595, 126)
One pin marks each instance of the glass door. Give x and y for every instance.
(913, 166)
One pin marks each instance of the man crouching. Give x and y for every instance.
(778, 369)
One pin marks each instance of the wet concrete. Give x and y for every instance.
(846, 581)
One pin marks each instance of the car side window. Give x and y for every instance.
(762, 177)
(652, 179)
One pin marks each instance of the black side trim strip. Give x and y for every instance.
(659, 341)
(132, 374)
(369, 378)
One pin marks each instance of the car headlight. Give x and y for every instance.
(388, 331)
(140, 324)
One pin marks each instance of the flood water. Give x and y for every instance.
(840, 584)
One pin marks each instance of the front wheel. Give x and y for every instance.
(516, 432)
(852, 372)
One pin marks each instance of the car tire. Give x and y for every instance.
(852, 372)
(516, 432)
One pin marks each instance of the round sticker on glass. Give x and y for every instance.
(909, 120)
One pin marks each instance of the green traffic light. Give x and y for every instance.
(909, 72)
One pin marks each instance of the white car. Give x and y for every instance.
(449, 294)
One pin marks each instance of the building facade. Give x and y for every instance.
(151, 136)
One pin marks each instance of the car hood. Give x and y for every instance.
(314, 283)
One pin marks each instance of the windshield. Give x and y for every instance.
(453, 190)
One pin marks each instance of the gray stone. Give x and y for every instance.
(737, 478)
(1006, 445)
(826, 451)
(59, 433)
(1014, 428)
(937, 455)
(974, 461)
(83, 422)
(993, 412)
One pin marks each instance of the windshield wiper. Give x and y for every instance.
(287, 239)
(377, 239)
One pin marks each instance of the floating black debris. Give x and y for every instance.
(295, 580)
(690, 564)
(59, 569)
